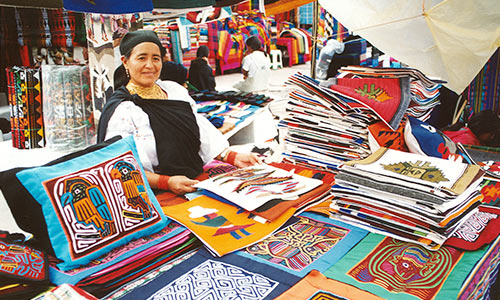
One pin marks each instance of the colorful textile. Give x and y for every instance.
(276, 7)
(252, 187)
(463, 136)
(109, 7)
(66, 292)
(133, 250)
(483, 92)
(306, 14)
(315, 286)
(95, 202)
(22, 263)
(313, 242)
(424, 139)
(388, 98)
(491, 191)
(201, 277)
(483, 275)
(393, 269)
(25, 101)
(381, 135)
(222, 227)
(480, 229)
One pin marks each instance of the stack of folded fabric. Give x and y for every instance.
(424, 92)
(233, 97)
(241, 207)
(407, 196)
(325, 127)
(222, 112)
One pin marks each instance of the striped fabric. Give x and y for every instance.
(484, 91)
(306, 14)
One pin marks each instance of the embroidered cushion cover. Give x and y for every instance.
(424, 139)
(22, 263)
(95, 202)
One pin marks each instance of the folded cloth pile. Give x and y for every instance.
(322, 129)
(407, 196)
(424, 91)
(233, 97)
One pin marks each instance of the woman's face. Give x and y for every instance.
(144, 64)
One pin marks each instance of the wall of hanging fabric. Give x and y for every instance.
(484, 90)
(22, 29)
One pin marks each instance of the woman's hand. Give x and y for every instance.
(180, 184)
(243, 160)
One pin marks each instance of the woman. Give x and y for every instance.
(480, 130)
(256, 67)
(173, 141)
(200, 73)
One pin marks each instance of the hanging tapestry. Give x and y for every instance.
(22, 263)
(252, 187)
(316, 286)
(94, 202)
(25, 102)
(313, 242)
(222, 227)
(387, 97)
(205, 277)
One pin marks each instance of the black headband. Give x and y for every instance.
(133, 38)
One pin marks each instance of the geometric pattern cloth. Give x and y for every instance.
(217, 280)
(203, 276)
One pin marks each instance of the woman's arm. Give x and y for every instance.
(178, 184)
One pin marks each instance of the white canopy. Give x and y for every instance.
(449, 39)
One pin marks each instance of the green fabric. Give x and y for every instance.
(177, 4)
(449, 290)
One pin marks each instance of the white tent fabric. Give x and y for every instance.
(448, 39)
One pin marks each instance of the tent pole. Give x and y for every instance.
(314, 38)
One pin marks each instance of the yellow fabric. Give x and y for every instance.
(154, 92)
(315, 281)
(449, 39)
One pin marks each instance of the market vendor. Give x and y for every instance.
(173, 141)
(479, 130)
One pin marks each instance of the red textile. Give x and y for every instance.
(463, 136)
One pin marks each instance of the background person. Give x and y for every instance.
(256, 67)
(201, 75)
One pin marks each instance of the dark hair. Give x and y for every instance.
(203, 51)
(254, 42)
(485, 121)
(120, 77)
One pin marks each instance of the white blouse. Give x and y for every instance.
(130, 119)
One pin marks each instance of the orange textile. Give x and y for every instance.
(284, 6)
(316, 286)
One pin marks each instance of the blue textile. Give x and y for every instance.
(206, 277)
(109, 6)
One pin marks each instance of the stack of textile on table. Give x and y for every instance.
(246, 205)
(95, 216)
(424, 92)
(327, 125)
(407, 196)
(225, 110)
